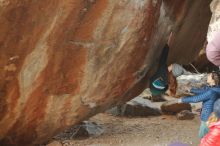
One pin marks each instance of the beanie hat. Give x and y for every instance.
(177, 70)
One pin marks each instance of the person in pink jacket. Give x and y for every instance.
(213, 49)
(213, 137)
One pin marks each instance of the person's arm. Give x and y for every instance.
(198, 90)
(198, 98)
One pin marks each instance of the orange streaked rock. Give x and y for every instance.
(64, 61)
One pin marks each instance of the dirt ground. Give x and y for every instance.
(150, 131)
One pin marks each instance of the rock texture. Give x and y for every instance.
(137, 107)
(172, 107)
(186, 82)
(81, 131)
(185, 115)
(157, 98)
(64, 61)
(55, 143)
(214, 25)
(202, 64)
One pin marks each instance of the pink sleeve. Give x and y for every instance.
(213, 50)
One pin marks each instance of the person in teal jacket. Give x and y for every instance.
(159, 81)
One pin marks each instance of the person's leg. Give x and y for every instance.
(203, 130)
(164, 56)
(159, 81)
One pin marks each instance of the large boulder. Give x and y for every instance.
(62, 61)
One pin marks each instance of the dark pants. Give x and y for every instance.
(162, 71)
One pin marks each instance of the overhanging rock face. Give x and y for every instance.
(64, 61)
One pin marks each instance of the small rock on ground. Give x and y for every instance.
(185, 115)
(82, 130)
(173, 108)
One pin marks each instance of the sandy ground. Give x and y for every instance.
(151, 131)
